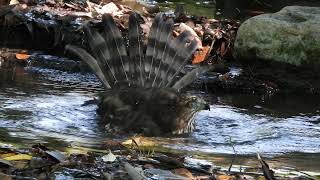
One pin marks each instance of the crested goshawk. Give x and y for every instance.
(143, 82)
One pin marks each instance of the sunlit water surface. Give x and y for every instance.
(46, 106)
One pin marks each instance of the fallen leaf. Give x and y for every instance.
(139, 141)
(76, 151)
(201, 55)
(110, 157)
(18, 157)
(56, 155)
(6, 155)
(13, 2)
(184, 172)
(225, 177)
(110, 8)
(22, 56)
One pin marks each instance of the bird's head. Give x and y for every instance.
(189, 106)
(196, 103)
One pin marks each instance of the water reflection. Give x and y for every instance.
(36, 104)
(250, 133)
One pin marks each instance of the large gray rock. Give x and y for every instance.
(291, 35)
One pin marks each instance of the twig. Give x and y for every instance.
(234, 155)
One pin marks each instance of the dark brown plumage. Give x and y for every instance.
(143, 90)
(151, 111)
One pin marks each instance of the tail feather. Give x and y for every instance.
(174, 47)
(136, 50)
(190, 77)
(101, 52)
(117, 48)
(151, 46)
(165, 36)
(95, 65)
(164, 59)
(181, 59)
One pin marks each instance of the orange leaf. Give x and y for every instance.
(201, 55)
(22, 56)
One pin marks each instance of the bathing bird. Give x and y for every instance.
(143, 83)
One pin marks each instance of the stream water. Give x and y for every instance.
(199, 8)
(40, 105)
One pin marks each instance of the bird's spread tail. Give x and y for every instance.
(165, 56)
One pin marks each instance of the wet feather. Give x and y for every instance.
(92, 63)
(190, 77)
(101, 52)
(171, 56)
(151, 46)
(136, 50)
(165, 36)
(183, 56)
(117, 48)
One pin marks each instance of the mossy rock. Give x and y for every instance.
(291, 36)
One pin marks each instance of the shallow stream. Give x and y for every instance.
(39, 105)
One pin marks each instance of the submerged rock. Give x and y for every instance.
(291, 36)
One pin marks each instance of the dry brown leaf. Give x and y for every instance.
(201, 55)
(184, 172)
